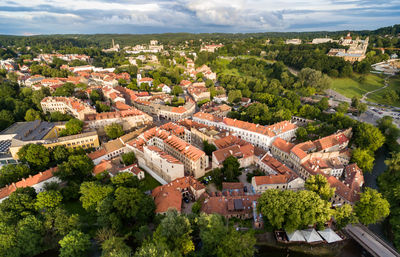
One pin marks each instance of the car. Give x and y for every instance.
(245, 189)
(186, 200)
(205, 182)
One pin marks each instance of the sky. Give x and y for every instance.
(31, 17)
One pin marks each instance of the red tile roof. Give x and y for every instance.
(170, 196)
(282, 145)
(276, 165)
(229, 141)
(28, 182)
(97, 154)
(101, 167)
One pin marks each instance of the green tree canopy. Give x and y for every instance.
(32, 115)
(37, 156)
(319, 184)
(364, 159)
(74, 244)
(48, 200)
(344, 215)
(293, 210)
(367, 136)
(93, 193)
(175, 231)
(114, 130)
(372, 207)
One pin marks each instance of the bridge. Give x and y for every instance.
(370, 242)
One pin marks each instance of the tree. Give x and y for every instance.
(319, 184)
(60, 154)
(177, 90)
(37, 156)
(32, 115)
(234, 96)
(323, 104)
(368, 137)
(362, 107)
(115, 247)
(208, 148)
(372, 207)
(61, 222)
(364, 159)
(344, 215)
(77, 168)
(58, 116)
(114, 130)
(355, 102)
(301, 134)
(72, 127)
(391, 96)
(315, 79)
(128, 158)
(131, 203)
(221, 240)
(101, 107)
(29, 235)
(231, 168)
(293, 210)
(174, 230)
(48, 200)
(234, 244)
(95, 96)
(125, 179)
(13, 173)
(390, 131)
(92, 193)
(343, 107)
(155, 249)
(6, 119)
(18, 205)
(74, 244)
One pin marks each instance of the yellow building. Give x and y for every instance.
(44, 133)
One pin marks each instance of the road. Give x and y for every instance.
(371, 242)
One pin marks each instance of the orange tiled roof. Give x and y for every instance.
(96, 154)
(28, 182)
(228, 141)
(101, 167)
(170, 196)
(272, 179)
(282, 145)
(184, 148)
(276, 165)
(163, 155)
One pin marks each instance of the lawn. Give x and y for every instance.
(351, 87)
(378, 97)
(225, 70)
(149, 182)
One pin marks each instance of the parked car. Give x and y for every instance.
(245, 189)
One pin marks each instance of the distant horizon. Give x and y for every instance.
(50, 17)
(197, 33)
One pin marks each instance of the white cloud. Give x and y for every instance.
(202, 15)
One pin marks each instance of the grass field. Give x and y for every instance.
(149, 182)
(351, 87)
(378, 97)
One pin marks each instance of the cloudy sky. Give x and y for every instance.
(27, 17)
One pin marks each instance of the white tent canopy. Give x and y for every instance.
(329, 235)
(311, 235)
(296, 236)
